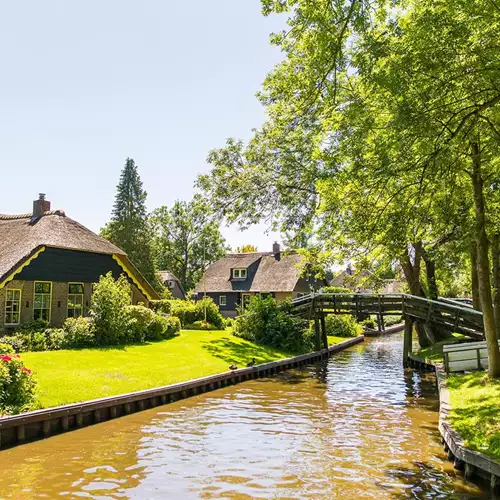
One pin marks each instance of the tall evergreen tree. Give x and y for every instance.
(128, 228)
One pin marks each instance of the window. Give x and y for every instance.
(171, 284)
(239, 273)
(12, 306)
(245, 300)
(75, 300)
(43, 298)
(222, 300)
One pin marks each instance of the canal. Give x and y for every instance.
(357, 426)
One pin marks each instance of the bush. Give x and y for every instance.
(17, 385)
(213, 313)
(185, 310)
(190, 312)
(392, 320)
(78, 332)
(163, 327)
(6, 349)
(267, 324)
(108, 309)
(15, 341)
(369, 323)
(139, 319)
(342, 326)
(335, 289)
(161, 306)
(229, 322)
(201, 325)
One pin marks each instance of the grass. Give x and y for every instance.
(475, 414)
(435, 351)
(78, 375)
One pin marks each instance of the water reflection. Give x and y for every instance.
(358, 426)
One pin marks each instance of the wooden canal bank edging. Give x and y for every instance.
(469, 461)
(40, 424)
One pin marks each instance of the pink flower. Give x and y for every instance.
(6, 357)
(27, 370)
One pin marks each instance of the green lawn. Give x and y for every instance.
(475, 413)
(435, 351)
(79, 375)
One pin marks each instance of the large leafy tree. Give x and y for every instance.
(383, 131)
(128, 228)
(186, 239)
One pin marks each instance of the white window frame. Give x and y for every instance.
(240, 273)
(49, 294)
(82, 295)
(223, 300)
(13, 301)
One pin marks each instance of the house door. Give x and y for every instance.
(245, 300)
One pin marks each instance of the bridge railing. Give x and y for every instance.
(444, 314)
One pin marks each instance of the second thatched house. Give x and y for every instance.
(233, 280)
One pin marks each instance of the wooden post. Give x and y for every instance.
(324, 336)
(382, 325)
(317, 335)
(407, 340)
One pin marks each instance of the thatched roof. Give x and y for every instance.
(22, 235)
(271, 274)
(168, 276)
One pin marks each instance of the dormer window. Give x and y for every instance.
(240, 273)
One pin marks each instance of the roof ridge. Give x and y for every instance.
(61, 213)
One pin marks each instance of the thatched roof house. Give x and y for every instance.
(232, 280)
(48, 260)
(173, 283)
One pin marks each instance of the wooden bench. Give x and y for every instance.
(465, 357)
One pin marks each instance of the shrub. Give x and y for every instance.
(54, 339)
(139, 319)
(369, 323)
(392, 320)
(229, 322)
(342, 326)
(15, 341)
(78, 332)
(185, 310)
(335, 289)
(161, 306)
(108, 309)
(267, 324)
(17, 385)
(213, 313)
(201, 325)
(6, 349)
(163, 327)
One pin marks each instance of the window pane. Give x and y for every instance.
(42, 287)
(76, 288)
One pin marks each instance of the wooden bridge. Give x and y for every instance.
(448, 315)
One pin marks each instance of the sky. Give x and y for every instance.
(84, 85)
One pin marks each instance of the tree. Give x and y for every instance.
(385, 136)
(186, 239)
(246, 249)
(128, 228)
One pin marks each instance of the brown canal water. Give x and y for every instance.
(357, 426)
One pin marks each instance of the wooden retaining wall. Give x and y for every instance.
(39, 424)
(469, 461)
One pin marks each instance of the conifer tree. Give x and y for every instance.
(128, 228)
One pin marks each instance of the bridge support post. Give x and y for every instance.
(317, 334)
(324, 336)
(407, 340)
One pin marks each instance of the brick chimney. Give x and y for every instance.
(40, 206)
(277, 250)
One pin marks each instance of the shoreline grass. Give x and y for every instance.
(71, 376)
(475, 411)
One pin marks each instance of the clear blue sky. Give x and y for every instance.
(86, 84)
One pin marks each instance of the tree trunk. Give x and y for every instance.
(483, 265)
(495, 258)
(476, 300)
(430, 272)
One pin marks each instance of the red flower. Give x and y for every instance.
(27, 370)
(6, 357)
(17, 356)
